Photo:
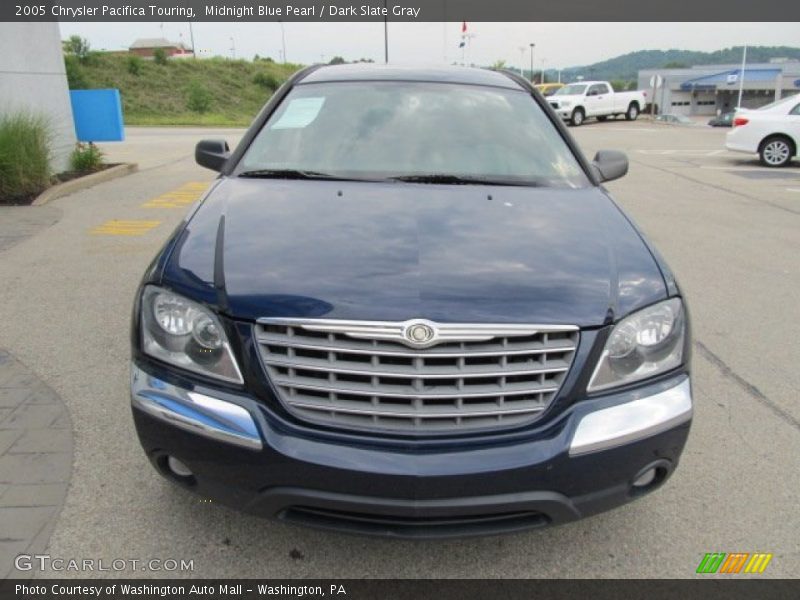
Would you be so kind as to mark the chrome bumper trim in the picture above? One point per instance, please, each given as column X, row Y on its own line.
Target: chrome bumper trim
column 194, row 412
column 631, row 421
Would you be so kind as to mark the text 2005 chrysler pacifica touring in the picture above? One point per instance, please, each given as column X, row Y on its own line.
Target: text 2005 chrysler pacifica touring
column 407, row 307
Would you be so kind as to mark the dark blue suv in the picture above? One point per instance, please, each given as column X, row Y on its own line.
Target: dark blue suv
column 408, row 307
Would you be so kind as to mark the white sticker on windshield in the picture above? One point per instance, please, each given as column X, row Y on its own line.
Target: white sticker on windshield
column 299, row 113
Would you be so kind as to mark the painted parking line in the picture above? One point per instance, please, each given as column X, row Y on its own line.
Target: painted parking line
column 185, row 195
column 129, row 228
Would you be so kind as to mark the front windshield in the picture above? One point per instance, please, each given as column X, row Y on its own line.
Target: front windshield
column 380, row 130
column 574, row 89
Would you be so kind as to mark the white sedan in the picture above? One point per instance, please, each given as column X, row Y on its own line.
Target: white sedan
column 772, row 132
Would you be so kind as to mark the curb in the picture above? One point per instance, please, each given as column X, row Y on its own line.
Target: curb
column 81, row 183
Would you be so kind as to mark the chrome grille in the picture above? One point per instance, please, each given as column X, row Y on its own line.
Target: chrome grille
column 367, row 375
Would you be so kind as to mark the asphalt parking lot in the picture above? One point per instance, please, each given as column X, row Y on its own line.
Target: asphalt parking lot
column 728, row 228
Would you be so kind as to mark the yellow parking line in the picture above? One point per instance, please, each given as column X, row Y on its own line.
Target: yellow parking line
column 185, row 195
column 117, row 227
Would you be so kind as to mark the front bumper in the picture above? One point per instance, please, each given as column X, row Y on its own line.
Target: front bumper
column 581, row 463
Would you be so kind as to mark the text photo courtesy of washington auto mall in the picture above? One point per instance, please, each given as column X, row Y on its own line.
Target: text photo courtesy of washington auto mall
column 399, row 299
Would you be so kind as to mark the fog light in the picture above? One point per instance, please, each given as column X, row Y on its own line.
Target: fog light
column 645, row 478
column 180, row 469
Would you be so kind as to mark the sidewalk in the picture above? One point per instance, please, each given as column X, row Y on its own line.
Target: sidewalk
column 35, row 431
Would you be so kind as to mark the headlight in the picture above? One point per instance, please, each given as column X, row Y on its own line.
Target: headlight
column 186, row 334
column 643, row 344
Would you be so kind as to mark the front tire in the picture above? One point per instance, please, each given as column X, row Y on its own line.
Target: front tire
column 776, row 151
column 633, row 112
column 578, row 117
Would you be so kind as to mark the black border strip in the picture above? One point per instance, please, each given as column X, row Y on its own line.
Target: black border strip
column 399, row 10
column 709, row 587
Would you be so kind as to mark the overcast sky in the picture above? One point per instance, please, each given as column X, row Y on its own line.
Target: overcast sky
column 557, row 44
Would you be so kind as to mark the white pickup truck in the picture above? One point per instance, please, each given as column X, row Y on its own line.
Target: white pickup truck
column 579, row 101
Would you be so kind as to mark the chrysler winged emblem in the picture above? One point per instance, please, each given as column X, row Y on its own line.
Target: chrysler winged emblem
column 419, row 334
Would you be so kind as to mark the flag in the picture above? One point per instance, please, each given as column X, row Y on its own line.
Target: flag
column 463, row 27
column 463, row 41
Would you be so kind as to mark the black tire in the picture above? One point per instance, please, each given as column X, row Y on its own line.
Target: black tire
column 578, row 117
column 633, row 112
column 776, row 151
column 602, row 118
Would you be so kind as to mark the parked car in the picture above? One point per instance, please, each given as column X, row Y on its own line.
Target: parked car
column 548, row 89
column 772, row 132
column 423, row 318
column 674, row 119
column 577, row 102
column 722, row 120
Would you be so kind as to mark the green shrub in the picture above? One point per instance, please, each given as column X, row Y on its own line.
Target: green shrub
column 24, row 156
column 198, row 98
column 86, row 157
column 159, row 56
column 134, row 65
column 75, row 76
column 266, row 80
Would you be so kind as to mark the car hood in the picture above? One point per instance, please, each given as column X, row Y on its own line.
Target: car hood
column 395, row 251
column 562, row 97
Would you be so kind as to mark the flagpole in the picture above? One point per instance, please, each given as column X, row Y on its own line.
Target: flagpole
column 741, row 77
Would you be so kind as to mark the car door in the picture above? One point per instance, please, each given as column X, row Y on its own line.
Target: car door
column 593, row 101
column 605, row 99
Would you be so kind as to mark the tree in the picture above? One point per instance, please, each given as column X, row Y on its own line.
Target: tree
column 499, row 64
column 337, row 60
column 675, row 64
column 78, row 47
column 160, row 56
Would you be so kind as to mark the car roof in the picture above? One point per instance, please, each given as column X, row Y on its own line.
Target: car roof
column 444, row 74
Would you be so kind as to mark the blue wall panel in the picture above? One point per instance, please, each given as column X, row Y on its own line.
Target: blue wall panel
column 98, row 115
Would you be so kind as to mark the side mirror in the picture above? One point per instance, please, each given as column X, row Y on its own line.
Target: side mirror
column 610, row 164
column 212, row 154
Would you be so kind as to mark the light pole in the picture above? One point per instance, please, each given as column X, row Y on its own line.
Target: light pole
column 385, row 32
column 521, row 59
column 191, row 37
column 283, row 40
column 532, row 47
column 233, row 48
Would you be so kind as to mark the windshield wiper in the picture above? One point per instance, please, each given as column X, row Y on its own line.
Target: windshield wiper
column 291, row 174
column 445, row 179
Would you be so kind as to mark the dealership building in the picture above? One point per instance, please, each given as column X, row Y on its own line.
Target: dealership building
column 707, row 89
